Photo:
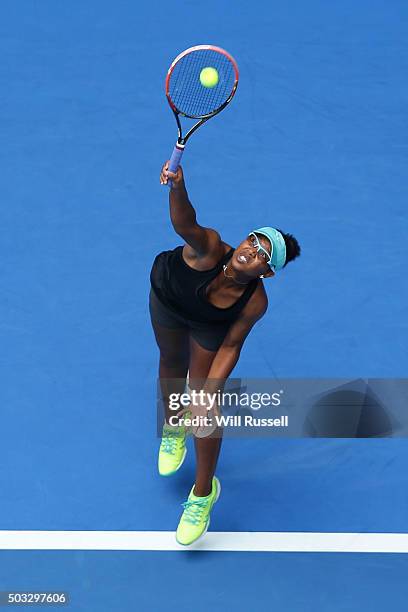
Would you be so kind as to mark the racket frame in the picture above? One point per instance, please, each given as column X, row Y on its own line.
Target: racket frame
column 181, row 140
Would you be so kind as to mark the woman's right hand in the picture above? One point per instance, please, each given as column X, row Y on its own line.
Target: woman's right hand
column 176, row 178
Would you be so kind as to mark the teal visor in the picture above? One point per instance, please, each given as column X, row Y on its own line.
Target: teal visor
column 277, row 257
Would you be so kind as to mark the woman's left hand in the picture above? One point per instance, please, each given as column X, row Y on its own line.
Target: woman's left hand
column 203, row 416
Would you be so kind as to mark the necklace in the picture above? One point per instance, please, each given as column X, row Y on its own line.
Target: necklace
column 224, row 267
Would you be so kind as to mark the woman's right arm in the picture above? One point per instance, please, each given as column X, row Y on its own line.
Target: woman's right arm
column 203, row 240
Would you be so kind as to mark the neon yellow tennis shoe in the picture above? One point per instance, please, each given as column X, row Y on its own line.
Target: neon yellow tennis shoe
column 195, row 519
column 172, row 450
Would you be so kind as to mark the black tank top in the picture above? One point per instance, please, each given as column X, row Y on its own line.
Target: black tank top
column 182, row 288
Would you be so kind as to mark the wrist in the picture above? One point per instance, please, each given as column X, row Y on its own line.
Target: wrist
column 214, row 385
column 177, row 186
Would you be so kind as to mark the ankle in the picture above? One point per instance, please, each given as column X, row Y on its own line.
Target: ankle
column 202, row 491
column 175, row 427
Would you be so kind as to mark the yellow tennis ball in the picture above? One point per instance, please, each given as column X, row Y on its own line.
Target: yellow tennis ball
column 209, row 77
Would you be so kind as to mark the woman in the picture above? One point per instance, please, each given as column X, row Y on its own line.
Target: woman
column 205, row 298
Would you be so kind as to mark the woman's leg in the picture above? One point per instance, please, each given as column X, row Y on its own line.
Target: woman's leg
column 172, row 338
column 174, row 361
column 207, row 449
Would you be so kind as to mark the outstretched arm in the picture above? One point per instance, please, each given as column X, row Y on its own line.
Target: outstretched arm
column 203, row 240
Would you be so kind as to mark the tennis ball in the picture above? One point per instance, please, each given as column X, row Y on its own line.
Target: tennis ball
column 209, row 77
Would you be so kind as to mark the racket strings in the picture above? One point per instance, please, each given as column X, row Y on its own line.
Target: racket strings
column 187, row 93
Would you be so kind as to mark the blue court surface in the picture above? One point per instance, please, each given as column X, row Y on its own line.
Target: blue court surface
column 315, row 142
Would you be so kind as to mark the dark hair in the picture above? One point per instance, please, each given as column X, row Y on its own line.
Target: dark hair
column 292, row 247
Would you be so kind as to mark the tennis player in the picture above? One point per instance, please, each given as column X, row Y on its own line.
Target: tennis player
column 205, row 298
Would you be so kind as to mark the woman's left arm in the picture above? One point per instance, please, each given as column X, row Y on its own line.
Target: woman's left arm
column 228, row 354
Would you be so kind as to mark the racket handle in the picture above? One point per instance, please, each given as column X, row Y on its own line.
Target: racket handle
column 175, row 161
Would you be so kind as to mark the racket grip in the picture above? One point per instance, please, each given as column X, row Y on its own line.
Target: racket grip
column 175, row 161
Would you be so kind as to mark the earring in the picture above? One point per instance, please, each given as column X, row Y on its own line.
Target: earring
column 261, row 276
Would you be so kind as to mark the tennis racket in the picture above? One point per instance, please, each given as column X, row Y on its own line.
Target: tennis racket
column 188, row 97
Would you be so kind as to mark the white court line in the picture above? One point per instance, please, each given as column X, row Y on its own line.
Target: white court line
column 240, row 541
